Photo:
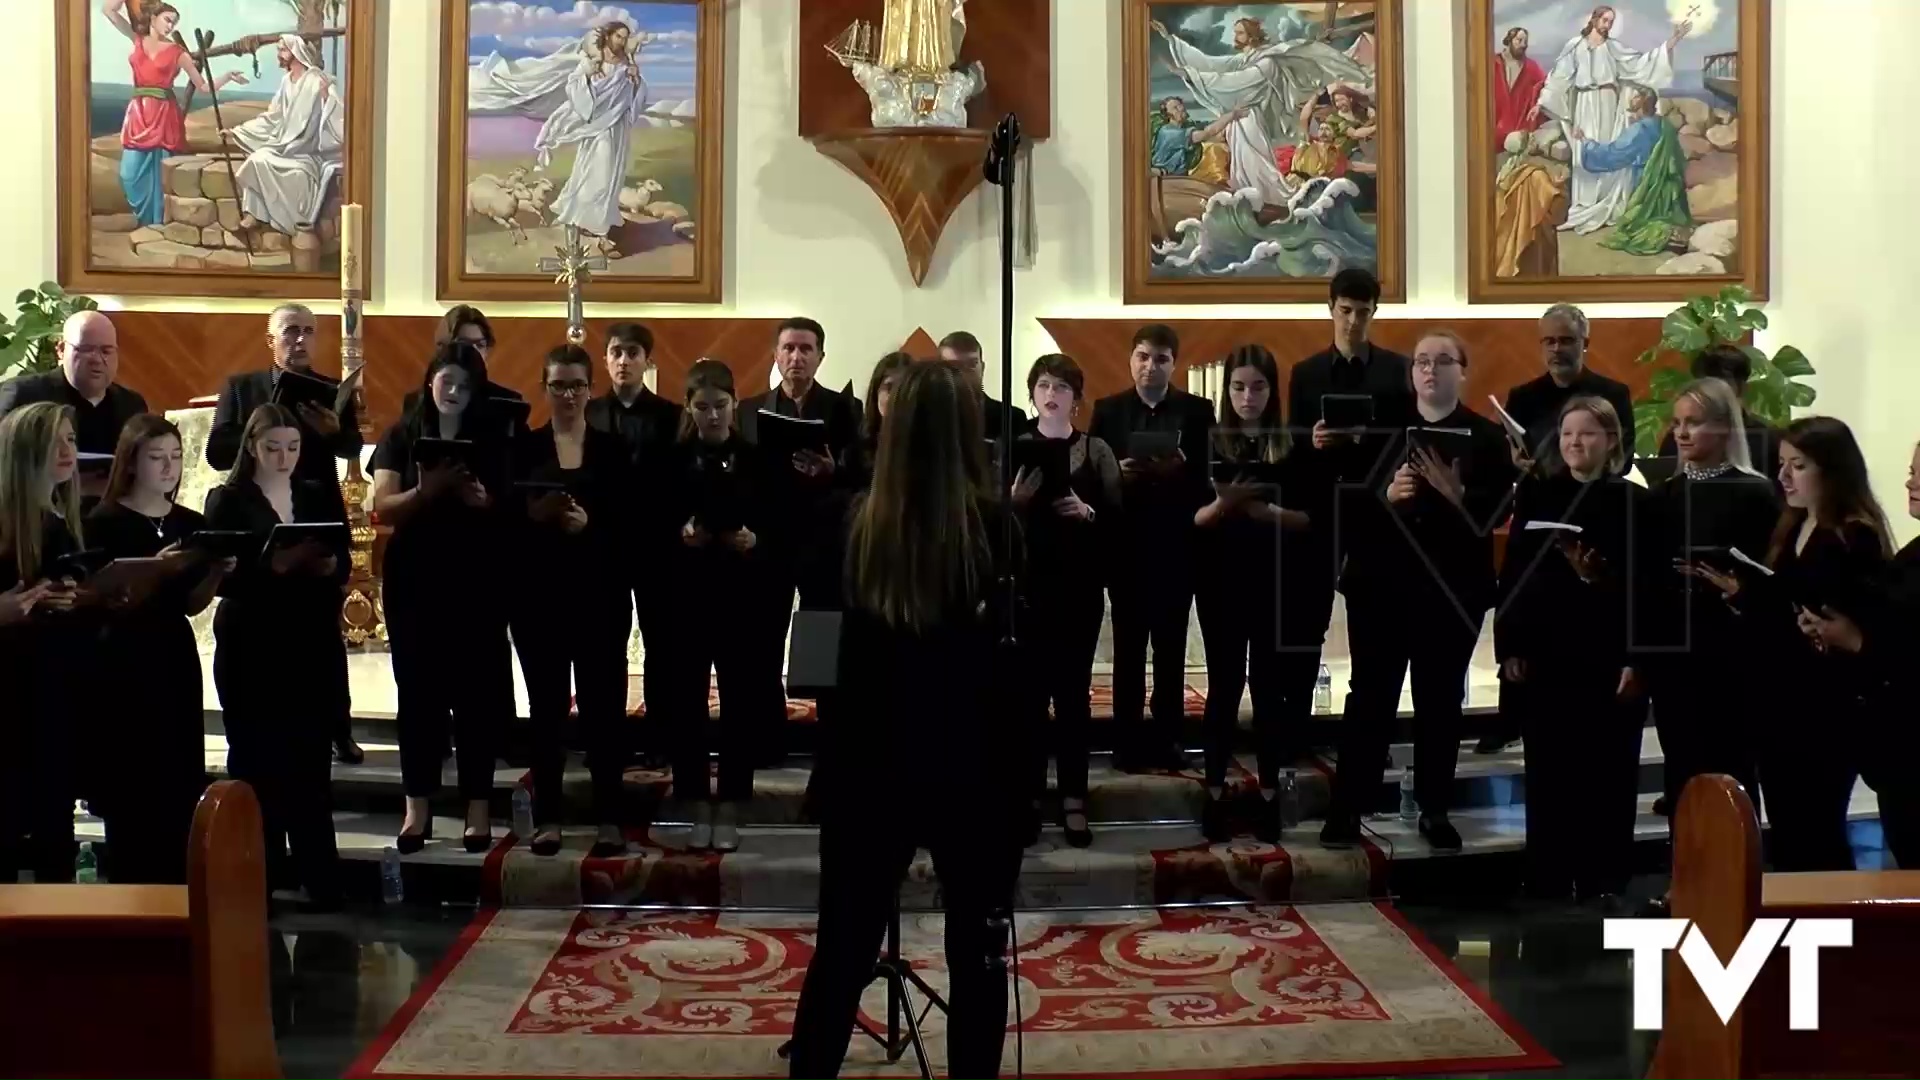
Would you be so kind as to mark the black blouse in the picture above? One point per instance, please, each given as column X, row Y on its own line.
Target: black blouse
column 126, row 533
column 1546, row 614
column 465, row 541
column 1842, row 569
column 1057, row 546
column 1684, row 518
column 722, row 487
column 253, row 590
column 601, row 485
column 1238, row 545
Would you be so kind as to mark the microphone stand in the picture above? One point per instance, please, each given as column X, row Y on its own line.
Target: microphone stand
column 1001, row 166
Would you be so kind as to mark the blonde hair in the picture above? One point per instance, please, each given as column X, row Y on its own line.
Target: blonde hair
column 1603, row 414
column 919, row 547
column 1722, row 406
column 26, row 456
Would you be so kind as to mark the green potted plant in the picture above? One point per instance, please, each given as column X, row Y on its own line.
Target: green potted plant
column 1773, row 391
column 26, row 342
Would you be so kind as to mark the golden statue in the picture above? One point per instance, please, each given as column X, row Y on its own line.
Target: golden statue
column 912, row 79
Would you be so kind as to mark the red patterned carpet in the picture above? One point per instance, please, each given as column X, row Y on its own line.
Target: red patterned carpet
column 1310, row 991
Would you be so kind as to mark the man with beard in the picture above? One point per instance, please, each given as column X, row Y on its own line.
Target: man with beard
column 1586, row 91
column 1536, row 405
column 324, row 433
column 803, row 507
column 1517, row 81
column 294, row 149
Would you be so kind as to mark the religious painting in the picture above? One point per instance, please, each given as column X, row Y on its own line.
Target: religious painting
column 206, row 146
column 584, row 133
column 1263, row 149
column 1616, row 151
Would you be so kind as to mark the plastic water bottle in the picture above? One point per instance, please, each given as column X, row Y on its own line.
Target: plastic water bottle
column 392, row 890
column 1289, row 799
column 523, row 813
column 1409, row 806
column 1323, row 692
column 86, row 867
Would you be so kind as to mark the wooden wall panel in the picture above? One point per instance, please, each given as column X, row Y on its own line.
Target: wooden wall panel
column 1011, row 37
column 1502, row 353
column 173, row 357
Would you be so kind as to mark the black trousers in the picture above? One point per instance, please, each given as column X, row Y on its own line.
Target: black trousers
column 449, row 668
column 707, row 644
column 1241, row 634
column 861, row 863
column 1150, row 604
column 286, row 756
column 1807, row 784
column 575, row 659
column 1582, row 775
column 1062, row 633
column 36, row 828
column 1306, row 610
column 1889, row 744
column 1388, row 635
column 1705, row 719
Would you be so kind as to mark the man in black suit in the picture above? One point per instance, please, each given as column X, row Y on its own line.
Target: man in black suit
column 648, row 424
column 1418, row 584
column 89, row 352
column 324, row 433
column 801, row 505
column 963, row 349
column 1347, row 460
column 1150, row 589
column 1536, row 405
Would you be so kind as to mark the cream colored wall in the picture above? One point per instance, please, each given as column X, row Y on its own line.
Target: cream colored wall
column 804, row 236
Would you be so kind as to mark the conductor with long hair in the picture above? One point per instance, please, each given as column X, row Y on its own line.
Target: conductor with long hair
column 924, row 723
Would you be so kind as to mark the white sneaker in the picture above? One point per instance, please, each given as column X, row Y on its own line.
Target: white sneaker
column 701, row 837
column 726, row 828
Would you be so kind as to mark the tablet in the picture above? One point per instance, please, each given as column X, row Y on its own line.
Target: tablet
column 1052, row 459
column 1246, row 472
column 1447, row 444
column 1153, row 445
column 93, row 464
column 78, row 565
column 226, row 543
column 1347, row 412
column 333, row 535
column 435, row 453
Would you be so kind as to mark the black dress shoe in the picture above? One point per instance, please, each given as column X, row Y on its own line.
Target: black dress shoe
column 412, row 843
column 1081, row 837
column 1493, row 744
column 477, row 843
column 1440, row 833
column 348, row 752
column 545, row 847
column 1660, row 807
column 1266, row 818
column 1216, row 822
column 1341, row 831
column 605, row 849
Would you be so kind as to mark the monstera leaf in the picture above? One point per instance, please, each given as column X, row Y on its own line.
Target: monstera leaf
column 1773, row 391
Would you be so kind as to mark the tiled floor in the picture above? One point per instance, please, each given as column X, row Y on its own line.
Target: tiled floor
column 338, row 979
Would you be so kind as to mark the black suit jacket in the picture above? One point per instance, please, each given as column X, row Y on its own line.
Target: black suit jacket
column 245, row 393
column 1349, row 467
column 799, row 512
column 839, row 409
column 1154, row 512
column 119, row 406
column 1537, row 404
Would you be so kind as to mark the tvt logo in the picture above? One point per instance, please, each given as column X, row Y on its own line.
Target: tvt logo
column 1726, row 986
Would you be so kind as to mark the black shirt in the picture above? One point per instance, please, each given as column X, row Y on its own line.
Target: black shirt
column 648, row 425
column 1536, row 406
column 1429, row 548
column 601, row 486
column 96, row 428
column 1686, row 517
column 1547, row 615
column 1156, row 510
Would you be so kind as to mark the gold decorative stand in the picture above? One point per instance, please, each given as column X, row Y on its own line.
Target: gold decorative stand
column 362, row 613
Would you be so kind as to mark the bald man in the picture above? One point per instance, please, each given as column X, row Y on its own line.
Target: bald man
column 324, row 434
column 89, row 353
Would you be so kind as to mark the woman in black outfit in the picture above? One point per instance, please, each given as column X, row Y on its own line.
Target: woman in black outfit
column 1562, row 636
column 1829, row 552
column 44, row 640
column 1066, row 573
column 926, row 726
column 278, row 661
column 575, row 483
column 1698, row 653
column 153, row 723
column 1240, row 522
column 718, row 572
column 856, row 472
column 446, row 622
column 1886, row 640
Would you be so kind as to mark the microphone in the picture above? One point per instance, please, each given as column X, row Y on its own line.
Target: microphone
column 1001, row 151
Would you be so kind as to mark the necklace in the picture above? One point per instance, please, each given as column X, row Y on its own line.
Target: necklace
column 159, row 525
column 1709, row 472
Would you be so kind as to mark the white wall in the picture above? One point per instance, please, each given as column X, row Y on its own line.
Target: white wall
column 804, row 236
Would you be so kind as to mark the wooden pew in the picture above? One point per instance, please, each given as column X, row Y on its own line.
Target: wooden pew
column 146, row 980
column 1869, row 1012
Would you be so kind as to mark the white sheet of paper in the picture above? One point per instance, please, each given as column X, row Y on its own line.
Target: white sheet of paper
column 1552, row 526
column 1507, row 419
column 1741, row 556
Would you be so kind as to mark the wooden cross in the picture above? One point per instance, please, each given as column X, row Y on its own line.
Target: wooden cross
column 573, row 268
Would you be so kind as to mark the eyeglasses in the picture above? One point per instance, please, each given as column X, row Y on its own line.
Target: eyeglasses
column 1434, row 363
column 567, row 388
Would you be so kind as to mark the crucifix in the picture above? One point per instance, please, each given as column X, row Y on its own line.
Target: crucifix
column 573, row 268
